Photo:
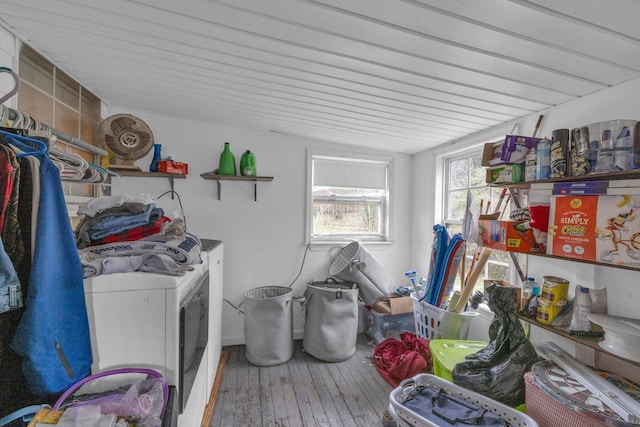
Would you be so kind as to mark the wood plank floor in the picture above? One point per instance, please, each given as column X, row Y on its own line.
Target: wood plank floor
column 303, row 392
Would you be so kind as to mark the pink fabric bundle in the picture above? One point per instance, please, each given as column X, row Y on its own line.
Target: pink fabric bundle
column 397, row 360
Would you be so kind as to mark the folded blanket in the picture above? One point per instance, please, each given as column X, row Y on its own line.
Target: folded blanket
column 183, row 250
column 153, row 227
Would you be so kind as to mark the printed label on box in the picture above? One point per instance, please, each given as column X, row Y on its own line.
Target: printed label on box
column 572, row 227
column 506, row 236
column 595, row 228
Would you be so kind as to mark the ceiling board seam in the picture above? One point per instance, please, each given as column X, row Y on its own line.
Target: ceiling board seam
column 370, row 62
column 452, row 43
column 575, row 20
column 514, row 34
column 543, row 103
column 383, row 65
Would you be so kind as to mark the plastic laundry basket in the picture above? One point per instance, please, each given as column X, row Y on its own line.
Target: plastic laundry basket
column 268, row 325
column 435, row 323
column 447, row 353
column 331, row 320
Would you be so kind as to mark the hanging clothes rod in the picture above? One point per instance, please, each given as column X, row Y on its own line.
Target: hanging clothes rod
column 68, row 139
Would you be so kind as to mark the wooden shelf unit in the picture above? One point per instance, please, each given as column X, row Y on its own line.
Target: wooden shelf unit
column 514, row 191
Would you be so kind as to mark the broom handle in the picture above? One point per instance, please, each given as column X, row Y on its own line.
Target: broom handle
column 471, row 281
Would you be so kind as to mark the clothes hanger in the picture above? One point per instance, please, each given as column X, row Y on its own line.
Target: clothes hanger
column 42, row 147
column 16, row 85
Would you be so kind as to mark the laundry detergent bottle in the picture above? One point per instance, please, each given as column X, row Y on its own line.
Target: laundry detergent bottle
column 227, row 164
column 248, row 164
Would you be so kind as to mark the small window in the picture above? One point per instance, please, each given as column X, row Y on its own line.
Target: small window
column 349, row 199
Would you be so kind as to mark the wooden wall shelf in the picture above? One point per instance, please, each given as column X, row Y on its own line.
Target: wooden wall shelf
column 254, row 179
column 588, row 342
column 142, row 174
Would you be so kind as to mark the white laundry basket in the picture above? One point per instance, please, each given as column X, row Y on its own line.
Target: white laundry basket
column 434, row 323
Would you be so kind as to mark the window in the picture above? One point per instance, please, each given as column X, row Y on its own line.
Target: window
column 349, row 199
column 50, row 96
column 465, row 175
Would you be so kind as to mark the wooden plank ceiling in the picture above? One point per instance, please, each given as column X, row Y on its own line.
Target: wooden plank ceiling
column 400, row 75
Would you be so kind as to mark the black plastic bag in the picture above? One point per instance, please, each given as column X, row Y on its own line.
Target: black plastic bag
column 497, row 371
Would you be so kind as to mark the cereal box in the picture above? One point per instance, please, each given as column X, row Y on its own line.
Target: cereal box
column 595, row 228
column 506, row 236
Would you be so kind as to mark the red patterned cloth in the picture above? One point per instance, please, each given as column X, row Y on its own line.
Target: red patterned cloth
column 397, row 360
column 136, row 233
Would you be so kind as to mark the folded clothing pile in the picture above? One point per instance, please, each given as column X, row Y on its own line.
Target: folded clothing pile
column 127, row 233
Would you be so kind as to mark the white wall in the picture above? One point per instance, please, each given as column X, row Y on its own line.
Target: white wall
column 264, row 240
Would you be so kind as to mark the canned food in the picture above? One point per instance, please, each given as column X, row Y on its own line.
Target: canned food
column 555, row 290
column 545, row 313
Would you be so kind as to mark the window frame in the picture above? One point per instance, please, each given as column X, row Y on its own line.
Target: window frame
column 386, row 212
column 444, row 158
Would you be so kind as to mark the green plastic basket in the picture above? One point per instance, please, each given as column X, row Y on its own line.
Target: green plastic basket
column 447, row 353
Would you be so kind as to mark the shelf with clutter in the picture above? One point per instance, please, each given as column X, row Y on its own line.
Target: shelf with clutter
column 575, row 198
column 597, row 165
column 227, row 170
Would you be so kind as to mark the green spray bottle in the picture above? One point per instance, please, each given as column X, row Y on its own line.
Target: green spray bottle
column 248, row 164
column 227, row 164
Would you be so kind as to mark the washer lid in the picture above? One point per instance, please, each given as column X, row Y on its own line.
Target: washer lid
column 621, row 335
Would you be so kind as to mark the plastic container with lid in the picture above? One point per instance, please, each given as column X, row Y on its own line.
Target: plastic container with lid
column 529, row 288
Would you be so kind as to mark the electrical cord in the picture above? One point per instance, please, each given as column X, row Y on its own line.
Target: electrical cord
column 301, row 265
column 184, row 215
column 304, row 257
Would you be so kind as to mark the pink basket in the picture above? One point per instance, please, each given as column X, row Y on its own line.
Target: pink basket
column 550, row 413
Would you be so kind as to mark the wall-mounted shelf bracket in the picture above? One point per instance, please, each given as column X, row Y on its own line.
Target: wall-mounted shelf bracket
column 254, row 179
column 141, row 174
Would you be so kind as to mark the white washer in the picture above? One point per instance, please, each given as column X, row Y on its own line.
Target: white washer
column 134, row 321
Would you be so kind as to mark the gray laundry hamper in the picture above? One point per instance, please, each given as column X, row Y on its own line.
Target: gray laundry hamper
column 268, row 325
column 331, row 320
column 355, row 264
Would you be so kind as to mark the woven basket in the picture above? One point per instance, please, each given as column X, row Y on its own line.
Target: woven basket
column 550, row 413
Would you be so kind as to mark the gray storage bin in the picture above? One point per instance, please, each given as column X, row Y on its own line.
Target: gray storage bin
column 355, row 264
column 268, row 325
column 331, row 320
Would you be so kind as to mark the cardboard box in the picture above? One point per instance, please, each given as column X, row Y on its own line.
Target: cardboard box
column 519, row 300
column 491, row 153
column 594, row 228
column 504, row 236
column 511, row 150
column 505, row 174
column 394, row 305
column 515, row 147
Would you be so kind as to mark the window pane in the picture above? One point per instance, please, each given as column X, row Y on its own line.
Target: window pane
column 346, row 217
column 457, row 204
column 36, row 70
column 458, row 174
column 477, row 173
column 67, row 91
column 348, row 199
